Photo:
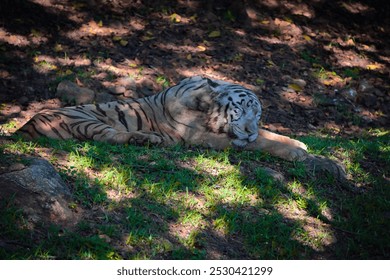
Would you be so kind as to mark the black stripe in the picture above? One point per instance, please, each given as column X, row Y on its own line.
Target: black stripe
column 139, row 120
column 65, row 127
column 81, row 136
column 121, row 117
column 87, row 126
column 72, row 125
column 100, row 131
column 56, row 132
column 143, row 111
column 103, row 112
column 154, row 117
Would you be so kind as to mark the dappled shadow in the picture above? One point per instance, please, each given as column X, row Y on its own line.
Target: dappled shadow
column 96, row 42
column 279, row 40
column 162, row 204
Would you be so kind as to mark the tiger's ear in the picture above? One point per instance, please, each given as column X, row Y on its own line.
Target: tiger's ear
column 200, row 98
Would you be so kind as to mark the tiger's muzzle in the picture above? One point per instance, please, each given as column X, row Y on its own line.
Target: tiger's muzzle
column 242, row 137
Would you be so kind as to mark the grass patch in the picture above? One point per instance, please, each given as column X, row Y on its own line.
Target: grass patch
column 180, row 203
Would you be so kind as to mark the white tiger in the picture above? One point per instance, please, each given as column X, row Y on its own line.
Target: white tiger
column 197, row 111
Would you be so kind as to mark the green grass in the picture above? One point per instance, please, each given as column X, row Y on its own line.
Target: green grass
column 180, row 203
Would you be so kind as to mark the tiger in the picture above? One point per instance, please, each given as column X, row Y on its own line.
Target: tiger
column 198, row 111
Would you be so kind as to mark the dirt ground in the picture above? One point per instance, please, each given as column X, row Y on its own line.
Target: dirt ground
column 316, row 65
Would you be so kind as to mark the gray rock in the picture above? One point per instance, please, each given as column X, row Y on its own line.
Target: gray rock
column 117, row 90
column 71, row 94
column 40, row 192
column 127, row 82
column 277, row 176
column 130, row 94
column 103, row 97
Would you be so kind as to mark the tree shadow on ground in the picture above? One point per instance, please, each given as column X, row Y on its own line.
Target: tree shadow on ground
column 159, row 204
column 41, row 45
column 265, row 52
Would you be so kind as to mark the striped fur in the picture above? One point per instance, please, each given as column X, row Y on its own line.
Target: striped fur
column 196, row 111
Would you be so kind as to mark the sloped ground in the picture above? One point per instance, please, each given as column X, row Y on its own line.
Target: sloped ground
column 319, row 67
column 337, row 49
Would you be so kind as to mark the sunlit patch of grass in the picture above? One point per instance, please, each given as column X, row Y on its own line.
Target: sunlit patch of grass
column 171, row 202
column 80, row 162
column 117, row 178
column 163, row 81
column 21, row 147
column 191, row 217
column 6, row 128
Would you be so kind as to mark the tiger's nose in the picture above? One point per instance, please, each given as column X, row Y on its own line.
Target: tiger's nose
column 252, row 133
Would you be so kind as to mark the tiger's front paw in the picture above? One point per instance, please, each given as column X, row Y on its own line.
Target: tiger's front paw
column 293, row 151
column 298, row 154
column 143, row 138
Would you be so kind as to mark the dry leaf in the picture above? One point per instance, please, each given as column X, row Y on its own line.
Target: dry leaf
column 148, row 36
column 193, row 18
column 270, row 62
column 58, row 48
column 189, row 57
column 260, row 81
column 201, row 48
column 327, row 82
column 307, row 37
column 123, row 43
column 35, row 33
column 175, row 18
column 100, row 23
column 295, row 87
column 116, row 38
column 373, row 66
column 214, row 34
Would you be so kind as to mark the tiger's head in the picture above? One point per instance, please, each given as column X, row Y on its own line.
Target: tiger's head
column 240, row 109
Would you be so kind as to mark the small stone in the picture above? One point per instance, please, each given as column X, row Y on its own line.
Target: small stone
column 349, row 94
column 299, row 82
column 130, row 94
column 71, row 94
column 14, row 110
column 364, row 86
column 379, row 93
column 127, row 82
column 101, row 76
column 369, row 100
column 274, row 174
column 104, row 97
column 117, row 90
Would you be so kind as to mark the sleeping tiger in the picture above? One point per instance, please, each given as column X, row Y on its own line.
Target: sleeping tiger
column 197, row 111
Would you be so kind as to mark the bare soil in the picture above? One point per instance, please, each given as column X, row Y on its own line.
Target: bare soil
column 314, row 64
